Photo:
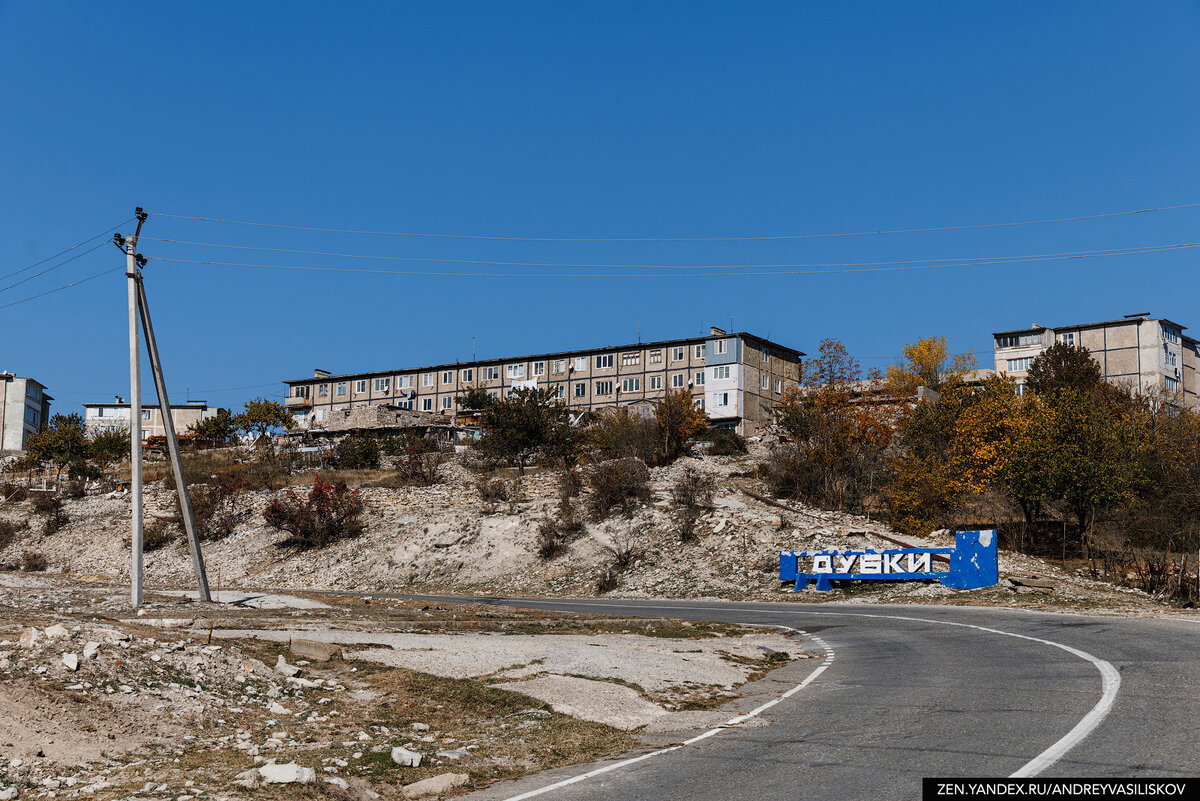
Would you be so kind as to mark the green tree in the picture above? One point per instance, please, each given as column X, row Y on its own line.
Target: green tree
column 475, row 398
column 1061, row 368
column 219, row 429
column 528, row 422
column 61, row 443
column 263, row 417
column 108, row 447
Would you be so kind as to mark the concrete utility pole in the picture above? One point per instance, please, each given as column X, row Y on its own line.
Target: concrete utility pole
column 135, row 415
column 139, row 308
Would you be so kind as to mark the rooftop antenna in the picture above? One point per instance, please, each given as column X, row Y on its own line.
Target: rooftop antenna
column 639, row 333
column 472, row 348
column 731, row 323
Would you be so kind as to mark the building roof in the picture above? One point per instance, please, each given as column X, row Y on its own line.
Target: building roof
column 544, row 356
column 149, row 405
column 1123, row 321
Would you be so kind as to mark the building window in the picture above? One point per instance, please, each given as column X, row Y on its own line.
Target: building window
column 1170, row 384
column 631, row 359
column 145, row 414
column 427, row 379
column 1019, row 340
column 677, row 381
column 360, row 385
column 516, row 371
column 631, row 385
column 31, row 416
column 341, row 388
column 656, row 382
column 1015, row 365
column 722, row 398
column 323, row 391
column 384, row 384
column 603, row 362
column 720, row 372
column 427, row 404
column 699, row 351
column 539, row 368
column 405, row 404
column 1169, row 357
column 700, row 378
column 404, row 382
column 1067, row 338
column 300, row 392
column 466, row 375
column 700, row 403
column 604, row 387
column 766, row 356
column 721, row 346
column 447, row 402
column 560, row 365
column 493, row 394
column 448, row 377
column 491, row 373
column 1170, row 333
column 580, row 389
column 321, row 415
column 560, row 391
column 580, row 363
column 765, row 380
column 655, row 357
column 778, row 386
column 676, row 354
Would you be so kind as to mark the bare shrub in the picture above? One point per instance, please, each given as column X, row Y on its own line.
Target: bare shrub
column 34, row 562
column 692, row 494
column 619, row 433
column 215, row 506
column 726, row 442
column 624, row 549
column 608, row 581
column 9, row 531
column 570, row 484
column 50, row 507
column 330, row 513
column 419, row 467
column 161, row 532
column 14, row 493
column 558, row 529
column 74, row 489
column 618, row 484
column 494, row 491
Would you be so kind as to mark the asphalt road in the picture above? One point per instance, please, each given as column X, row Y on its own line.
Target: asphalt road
column 904, row 699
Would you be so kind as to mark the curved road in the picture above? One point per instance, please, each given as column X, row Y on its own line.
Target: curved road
column 904, row 699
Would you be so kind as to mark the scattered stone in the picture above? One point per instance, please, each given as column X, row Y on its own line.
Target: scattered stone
column 435, row 785
column 248, row 779
column 57, row 631
column 28, row 638
column 291, row 773
column 91, row 650
column 456, row 754
column 277, row 708
column 71, row 661
column 284, row 669
column 337, row 782
column 420, row 727
column 314, row 649
column 406, row 758
column 9, row 793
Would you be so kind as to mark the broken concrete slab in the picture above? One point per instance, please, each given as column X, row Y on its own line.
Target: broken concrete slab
column 314, row 650
column 405, row 758
column 435, row 785
column 289, row 773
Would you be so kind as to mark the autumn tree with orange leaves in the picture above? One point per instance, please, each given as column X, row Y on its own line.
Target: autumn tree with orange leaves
column 837, row 427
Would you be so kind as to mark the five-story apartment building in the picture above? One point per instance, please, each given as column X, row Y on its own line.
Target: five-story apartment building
column 736, row 378
column 1138, row 351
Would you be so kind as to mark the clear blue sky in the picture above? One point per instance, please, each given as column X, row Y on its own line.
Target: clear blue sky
column 576, row 119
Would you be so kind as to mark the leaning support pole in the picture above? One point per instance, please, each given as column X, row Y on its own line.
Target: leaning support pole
column 185, row 500
column 135, row 426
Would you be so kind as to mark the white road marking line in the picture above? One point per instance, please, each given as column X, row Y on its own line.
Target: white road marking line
column 1110, row 678
column 702, row 736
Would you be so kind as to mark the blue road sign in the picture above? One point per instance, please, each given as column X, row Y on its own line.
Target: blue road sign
column 973, row 564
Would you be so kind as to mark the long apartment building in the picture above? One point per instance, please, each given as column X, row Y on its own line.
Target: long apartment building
column 735, row 377
column 101, row 417
column 1137, row 351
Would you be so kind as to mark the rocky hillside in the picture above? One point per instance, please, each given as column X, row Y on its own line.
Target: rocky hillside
column 445, row 538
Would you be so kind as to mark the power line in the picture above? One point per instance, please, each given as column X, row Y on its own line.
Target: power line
column 61, row 288
column 1014, row 260
column 964, row 259
column 68, row 250
column 681, row 238
column 54, row 267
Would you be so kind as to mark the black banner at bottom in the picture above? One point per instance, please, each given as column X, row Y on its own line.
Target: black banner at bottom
column 1055, row 789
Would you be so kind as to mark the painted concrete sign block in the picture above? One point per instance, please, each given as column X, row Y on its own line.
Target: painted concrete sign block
column 973, row 564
